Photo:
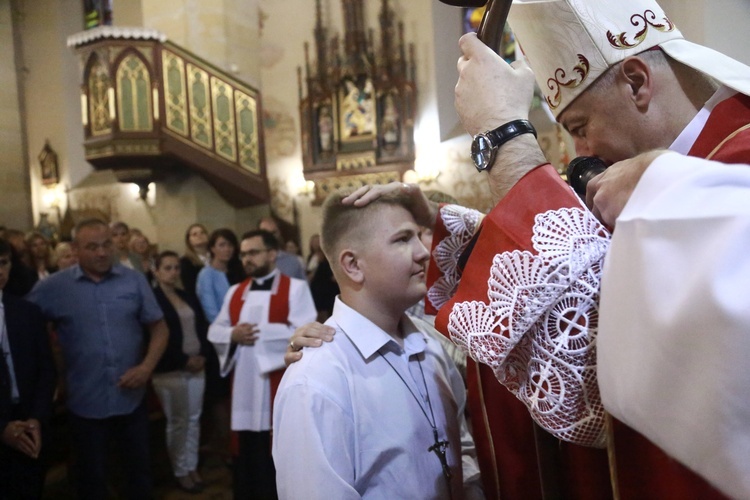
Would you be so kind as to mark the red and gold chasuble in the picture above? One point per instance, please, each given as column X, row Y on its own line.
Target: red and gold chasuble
column 525, row 306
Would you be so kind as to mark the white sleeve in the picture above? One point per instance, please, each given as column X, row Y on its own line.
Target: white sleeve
column 301, row 306
column 312, row 445
column 675, row 317
column 275, row 336
column 220, row 335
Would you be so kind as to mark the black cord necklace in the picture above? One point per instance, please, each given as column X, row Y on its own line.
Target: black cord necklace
column 439, row 446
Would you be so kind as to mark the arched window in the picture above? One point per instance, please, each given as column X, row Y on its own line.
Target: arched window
column 134, row 95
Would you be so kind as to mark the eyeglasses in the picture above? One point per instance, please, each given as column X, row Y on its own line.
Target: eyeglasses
column 254, row 252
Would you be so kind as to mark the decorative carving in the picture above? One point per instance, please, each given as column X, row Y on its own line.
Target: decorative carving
column 247, row 131
column 175, row 97
column 325, row 186
column 356, row 162
column 643, row 21
column 561, row 80
column 201, row 129
column 141, row 147
column 359, row 107
column 221, row 99
column 98, row 88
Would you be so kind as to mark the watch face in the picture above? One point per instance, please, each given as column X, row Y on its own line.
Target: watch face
column 482, row 152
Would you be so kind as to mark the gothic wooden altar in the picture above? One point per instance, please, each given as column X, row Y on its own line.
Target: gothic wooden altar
column 357, row 103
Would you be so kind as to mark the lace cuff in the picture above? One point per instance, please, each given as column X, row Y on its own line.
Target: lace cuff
column 537, row 330
column 455, row 227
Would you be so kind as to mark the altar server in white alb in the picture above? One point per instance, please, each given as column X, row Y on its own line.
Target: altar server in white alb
column 378, row 412
column 251, row 334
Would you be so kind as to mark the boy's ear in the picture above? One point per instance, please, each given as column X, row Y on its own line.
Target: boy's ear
column 350, row 264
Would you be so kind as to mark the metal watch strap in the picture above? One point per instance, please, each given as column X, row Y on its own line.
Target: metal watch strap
column 508, row 131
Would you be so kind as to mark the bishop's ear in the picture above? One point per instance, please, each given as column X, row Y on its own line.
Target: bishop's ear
column 639, row 77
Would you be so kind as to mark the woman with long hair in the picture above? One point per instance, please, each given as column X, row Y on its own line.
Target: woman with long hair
column 179, row 379
column 141, row 246
column 195, row 257
column 223, row 270
column 41, row 259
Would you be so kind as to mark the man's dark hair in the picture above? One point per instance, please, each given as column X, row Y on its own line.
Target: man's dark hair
column 5, row 248
column 269, row 240
column 87, row 223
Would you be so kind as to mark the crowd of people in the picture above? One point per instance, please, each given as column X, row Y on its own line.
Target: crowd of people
column 119, row 319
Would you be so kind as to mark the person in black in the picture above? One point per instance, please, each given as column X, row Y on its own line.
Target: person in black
column 179, row 378
column 22, row 277
column 27, row 385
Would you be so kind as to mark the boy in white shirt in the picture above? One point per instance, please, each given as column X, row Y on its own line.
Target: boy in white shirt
column 378, row 412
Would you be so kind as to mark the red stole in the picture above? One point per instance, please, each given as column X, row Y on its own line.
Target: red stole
column 278, row 312
column 726, row 136
column 279, row 308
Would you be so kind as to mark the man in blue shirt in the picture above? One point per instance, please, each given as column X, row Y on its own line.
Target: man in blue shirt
column 100, row 311
column 289, row 264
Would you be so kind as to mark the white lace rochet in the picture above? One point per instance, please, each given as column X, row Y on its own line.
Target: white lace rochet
column 537, row 330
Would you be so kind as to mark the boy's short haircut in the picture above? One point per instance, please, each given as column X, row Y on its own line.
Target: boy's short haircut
column 340, row 220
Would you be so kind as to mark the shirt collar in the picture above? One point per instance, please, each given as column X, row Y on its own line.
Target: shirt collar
column 689, row 134
column 263, row 279
column 78, row 273
column 369, row 338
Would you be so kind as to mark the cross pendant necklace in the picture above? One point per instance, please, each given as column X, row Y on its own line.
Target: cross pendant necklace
column 439, row 446
column 439, row 449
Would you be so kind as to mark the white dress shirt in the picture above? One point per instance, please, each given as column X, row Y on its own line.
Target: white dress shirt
column 346, row 425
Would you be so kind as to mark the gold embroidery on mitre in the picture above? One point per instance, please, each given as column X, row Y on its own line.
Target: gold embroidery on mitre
column 647, row 19
column 560, row 80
